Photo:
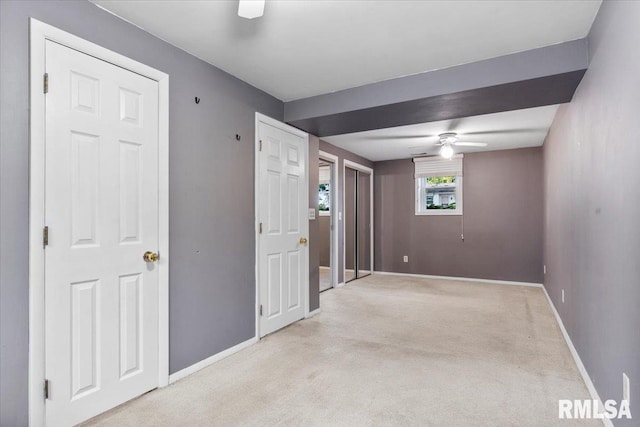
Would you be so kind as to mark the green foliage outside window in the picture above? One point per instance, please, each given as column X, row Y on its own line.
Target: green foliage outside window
column 435, row 180
column 449, row 206
column 323, row 197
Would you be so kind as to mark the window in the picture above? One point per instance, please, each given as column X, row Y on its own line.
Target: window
column 438, row 186
column 324, row 191
column 324, row 199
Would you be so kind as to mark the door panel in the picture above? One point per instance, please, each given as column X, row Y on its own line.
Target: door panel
column 293, row 208
column 101, row 192
column 130, row 324
column 364, row 224
column 274, row 285
column 350, row 240
column 283, row 188
column 85, row 336
column 295, row 279
column 85, row 186
column 130, row 191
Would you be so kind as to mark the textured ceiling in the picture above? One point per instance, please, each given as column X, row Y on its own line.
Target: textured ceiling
column 309, row 47
column 501, row 131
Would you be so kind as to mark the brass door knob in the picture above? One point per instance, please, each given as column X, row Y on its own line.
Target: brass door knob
column 150, row 256
column 303, row 240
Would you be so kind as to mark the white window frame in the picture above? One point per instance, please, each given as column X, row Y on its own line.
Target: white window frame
column 428, row 212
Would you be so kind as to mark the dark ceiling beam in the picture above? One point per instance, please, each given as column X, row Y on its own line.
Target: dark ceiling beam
column 527, row 79
column 548, row 90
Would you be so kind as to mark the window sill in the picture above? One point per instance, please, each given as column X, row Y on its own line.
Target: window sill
column 438, row 212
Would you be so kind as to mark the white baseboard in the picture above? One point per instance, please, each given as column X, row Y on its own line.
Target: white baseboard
column 576, row 357
column 210, row 360
column 313, row 313
column 465, row 279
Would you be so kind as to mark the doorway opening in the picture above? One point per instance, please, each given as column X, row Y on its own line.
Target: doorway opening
column 327, row 209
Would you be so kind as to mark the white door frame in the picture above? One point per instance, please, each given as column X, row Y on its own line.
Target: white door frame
column 333, row 215
column 40, row 33
column 261, row 118
column 357, row 166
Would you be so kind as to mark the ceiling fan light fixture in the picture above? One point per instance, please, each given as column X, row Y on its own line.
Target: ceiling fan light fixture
column 250, row 9
column 446, row 151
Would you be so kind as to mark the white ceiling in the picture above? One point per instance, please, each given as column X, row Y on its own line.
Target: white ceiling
column 502, row 131
column 309, row 47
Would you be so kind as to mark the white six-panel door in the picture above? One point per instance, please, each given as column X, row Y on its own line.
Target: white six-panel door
column 101, row 297
column 282, row 214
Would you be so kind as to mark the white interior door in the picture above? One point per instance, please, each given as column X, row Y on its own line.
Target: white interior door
column 101, row 297
column 282, row 212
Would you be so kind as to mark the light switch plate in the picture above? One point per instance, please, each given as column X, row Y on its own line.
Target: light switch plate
column 312, row 213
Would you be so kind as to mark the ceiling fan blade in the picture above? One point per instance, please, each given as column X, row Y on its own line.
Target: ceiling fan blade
column 505, row 131
column 470, row 144
column 382, row 137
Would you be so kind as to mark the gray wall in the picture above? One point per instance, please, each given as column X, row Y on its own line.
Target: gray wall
column 342, row 155
column 592, row 207
column 314, row 232
column 212, row 285
column 324, row 237
column 502, row 220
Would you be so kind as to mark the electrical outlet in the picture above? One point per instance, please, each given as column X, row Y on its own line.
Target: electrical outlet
column 339, row 216
column 626, row 388
column 544, row 269
column 405, row 258
column 563, row 295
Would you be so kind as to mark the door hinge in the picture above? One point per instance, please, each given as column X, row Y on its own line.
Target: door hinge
column 260, row 148
column 46, row 389
column 260, row 228
column 45, row 236
column 46, row 82
column 260, row 309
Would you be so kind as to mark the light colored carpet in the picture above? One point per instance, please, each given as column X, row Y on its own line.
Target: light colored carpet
column 386, row 350
column 325, row 278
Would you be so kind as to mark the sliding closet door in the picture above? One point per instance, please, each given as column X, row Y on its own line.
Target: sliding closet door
column 350, row 230
column 363, row 222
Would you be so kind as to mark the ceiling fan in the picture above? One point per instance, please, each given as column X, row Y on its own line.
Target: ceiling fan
column 448, row 140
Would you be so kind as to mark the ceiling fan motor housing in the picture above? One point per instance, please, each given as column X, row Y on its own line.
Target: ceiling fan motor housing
column 449, row 137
